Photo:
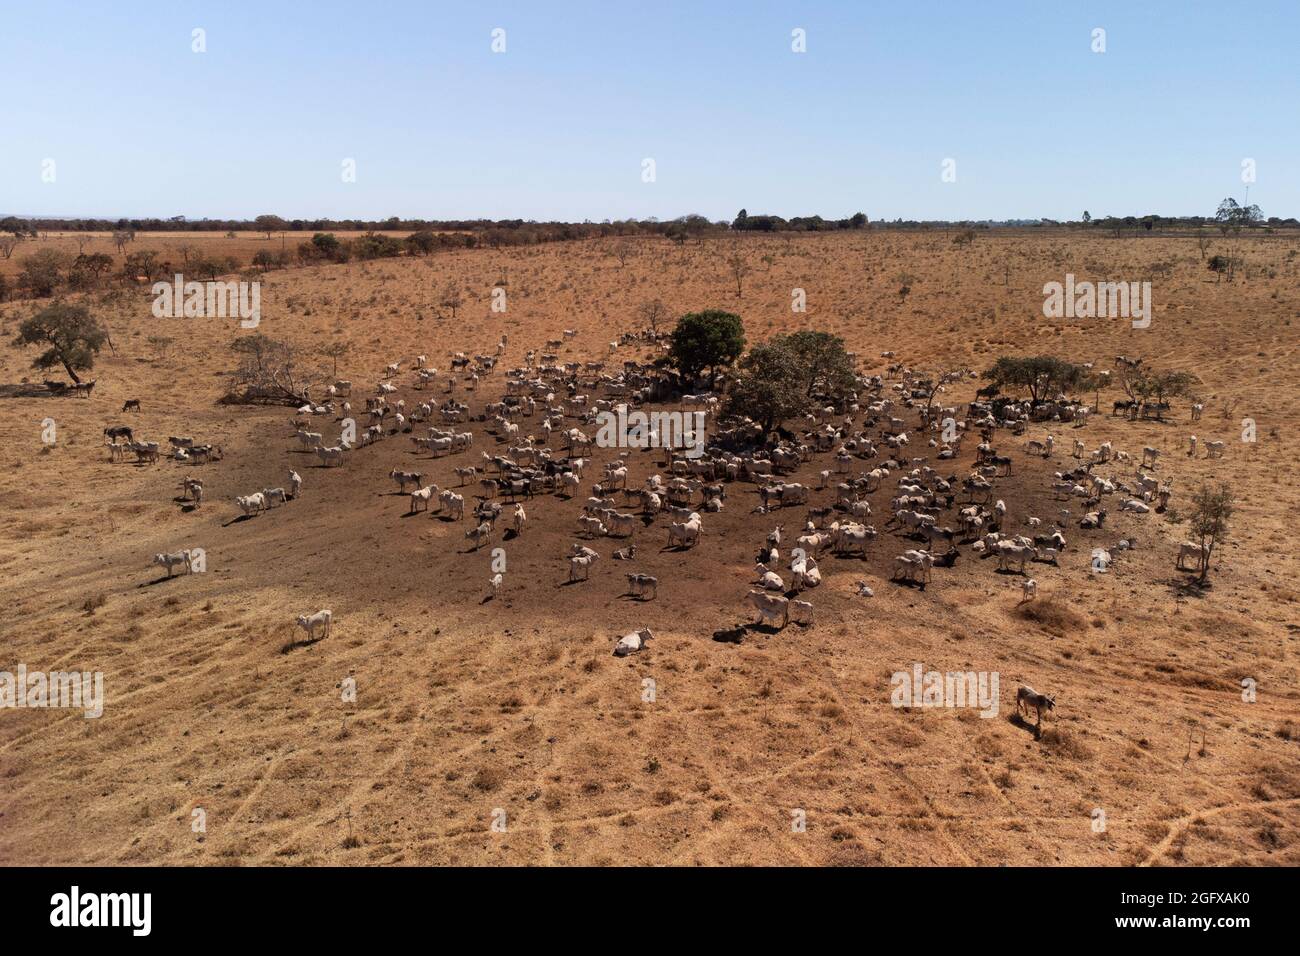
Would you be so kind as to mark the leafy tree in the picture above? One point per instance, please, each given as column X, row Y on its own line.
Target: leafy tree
column 452, row 298
column 43, row 272
column 96, row 263
column 268, row 224
column 823, row 365
column 1233, row 217
column 1042, row 375
column 1145, row 384
column 769, row 388
column 783, row 377
column 421, row 243
column 143, row 263
column 71, row 335
column 712, row 339
column 1211, row 510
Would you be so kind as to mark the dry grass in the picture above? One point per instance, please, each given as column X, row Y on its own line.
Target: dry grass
column 463, row 708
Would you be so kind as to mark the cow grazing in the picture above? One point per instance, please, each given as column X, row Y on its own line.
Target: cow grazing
column 770, row 607
column 1027, row 697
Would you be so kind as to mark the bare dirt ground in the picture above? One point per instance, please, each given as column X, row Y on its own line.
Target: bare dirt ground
column 470, row 711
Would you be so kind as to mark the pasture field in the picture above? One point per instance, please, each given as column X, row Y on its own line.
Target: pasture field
column 511, row 710
column 173, row 247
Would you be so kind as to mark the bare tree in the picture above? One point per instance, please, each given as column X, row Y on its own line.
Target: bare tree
column 335, row 351
column 652, row 312
column 271, row 372
column 1211, row 509
column 451, row 297
column 1202, row 242
column 622, row 251
column 737, row 267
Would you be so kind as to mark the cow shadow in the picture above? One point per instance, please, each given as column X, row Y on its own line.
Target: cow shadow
column 239, row 520
column 1016, row 719
column 293, row 645
column 159, row 580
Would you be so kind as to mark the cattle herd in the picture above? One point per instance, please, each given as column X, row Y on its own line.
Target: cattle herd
column 935, row 473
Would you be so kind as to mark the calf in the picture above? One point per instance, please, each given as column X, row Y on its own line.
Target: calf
column 1027, row 697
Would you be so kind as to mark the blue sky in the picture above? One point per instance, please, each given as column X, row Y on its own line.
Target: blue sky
column 557, row 126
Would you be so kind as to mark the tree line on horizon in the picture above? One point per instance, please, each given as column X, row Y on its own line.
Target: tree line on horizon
column 500, row 232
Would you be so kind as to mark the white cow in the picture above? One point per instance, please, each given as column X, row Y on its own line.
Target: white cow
column 310, row 623
column 685, row 533
column 330, row 456
column 251, row 504
column 582, row 563
column 769, row 580
column 802, row 612
column 174, row 560
column 480, row 534
column 631, row 643
column 1190, row 549
column 453, row 503
column 770, row 607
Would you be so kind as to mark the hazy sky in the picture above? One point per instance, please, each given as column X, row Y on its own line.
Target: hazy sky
column 558, row 125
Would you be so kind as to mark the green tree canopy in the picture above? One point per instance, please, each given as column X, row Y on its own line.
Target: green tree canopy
column 782, row 378
column 70, row 334
column 712, row 340
column 268, row 224
column 1041, row 375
